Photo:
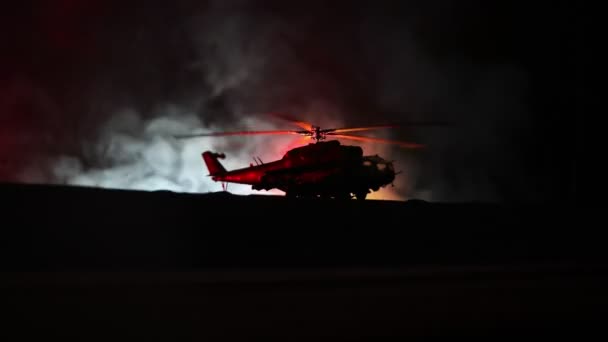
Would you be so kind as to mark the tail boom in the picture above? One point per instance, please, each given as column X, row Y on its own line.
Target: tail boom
column 218, row 173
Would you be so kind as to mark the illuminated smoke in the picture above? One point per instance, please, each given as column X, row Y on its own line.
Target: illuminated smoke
column 201, row 67
column 144, row 155
column 239, row 62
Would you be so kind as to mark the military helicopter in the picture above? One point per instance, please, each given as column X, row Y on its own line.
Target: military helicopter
column 321, row 169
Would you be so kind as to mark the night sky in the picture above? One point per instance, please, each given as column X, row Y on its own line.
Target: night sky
column 91, row 91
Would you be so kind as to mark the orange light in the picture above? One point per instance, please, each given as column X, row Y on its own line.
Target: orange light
column 296, row 143
column 359, row 129
column 385, row 196
column 378, row 140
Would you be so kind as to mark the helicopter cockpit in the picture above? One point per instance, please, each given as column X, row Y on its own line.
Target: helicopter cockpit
column 378, row 162
column 378, row 168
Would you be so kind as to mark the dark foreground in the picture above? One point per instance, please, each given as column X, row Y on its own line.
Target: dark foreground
column 101, row 264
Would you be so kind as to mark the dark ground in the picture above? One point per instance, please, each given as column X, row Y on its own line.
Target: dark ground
column 99, row 264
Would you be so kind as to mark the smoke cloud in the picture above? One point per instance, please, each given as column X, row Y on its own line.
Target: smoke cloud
column 104, row 113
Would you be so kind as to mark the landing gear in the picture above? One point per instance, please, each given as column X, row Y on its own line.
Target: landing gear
column 361, row 195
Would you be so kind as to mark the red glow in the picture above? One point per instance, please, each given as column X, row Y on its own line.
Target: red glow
column 250, row 175
column 253, row 176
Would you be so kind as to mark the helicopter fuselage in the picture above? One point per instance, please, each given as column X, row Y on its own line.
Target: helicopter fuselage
column 326, row 169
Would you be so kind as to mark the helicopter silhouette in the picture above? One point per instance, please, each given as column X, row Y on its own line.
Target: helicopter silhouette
column 321, row 169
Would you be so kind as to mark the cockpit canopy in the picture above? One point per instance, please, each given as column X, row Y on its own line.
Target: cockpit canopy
column 378, row 163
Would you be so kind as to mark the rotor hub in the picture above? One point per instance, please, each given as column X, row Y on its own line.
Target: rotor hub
column 318, row 134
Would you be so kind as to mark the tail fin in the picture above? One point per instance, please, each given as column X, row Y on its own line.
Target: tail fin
column 213, row 165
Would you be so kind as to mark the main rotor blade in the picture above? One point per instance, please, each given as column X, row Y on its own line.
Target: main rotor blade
column 357, row 129
column 400, row 125
column 302, row 124
column 221, row 134
column 377, row 140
